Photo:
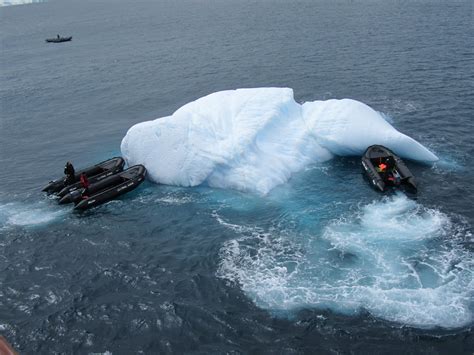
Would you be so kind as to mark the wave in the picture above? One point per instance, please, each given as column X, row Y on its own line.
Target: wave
column 394, row 258
column 255, row 139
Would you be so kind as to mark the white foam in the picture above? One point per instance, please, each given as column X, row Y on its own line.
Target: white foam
column 394, row 258
column 17, row 214
column 19, row 2
column 254, row 139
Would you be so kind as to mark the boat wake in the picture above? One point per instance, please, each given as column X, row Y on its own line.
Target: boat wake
column 23, row 215
column 394, row 258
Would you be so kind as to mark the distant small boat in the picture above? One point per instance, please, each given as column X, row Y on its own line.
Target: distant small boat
column 58, row 39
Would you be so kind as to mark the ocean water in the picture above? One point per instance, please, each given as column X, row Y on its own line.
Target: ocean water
column 320, row 264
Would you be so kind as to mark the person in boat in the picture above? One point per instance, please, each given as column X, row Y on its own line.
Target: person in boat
column 382, row 167
column 85, row 184
column 387, row 170
column 70, row 174
column 394, row 177
column 59, row 37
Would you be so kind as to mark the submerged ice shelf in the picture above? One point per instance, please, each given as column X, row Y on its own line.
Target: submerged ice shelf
column 254, row 139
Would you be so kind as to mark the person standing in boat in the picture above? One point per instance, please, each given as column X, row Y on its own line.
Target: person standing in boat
column 59, row 37
column 70, row 174
column 85, row 184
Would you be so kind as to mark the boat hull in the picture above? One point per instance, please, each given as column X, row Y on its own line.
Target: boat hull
column 112, row 188
column 58, row 40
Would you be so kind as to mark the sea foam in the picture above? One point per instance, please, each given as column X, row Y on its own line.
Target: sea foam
column 394, row 258
column 255, row 139
column 17, row 214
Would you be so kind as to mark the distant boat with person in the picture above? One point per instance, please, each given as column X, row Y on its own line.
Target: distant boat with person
column 58, row 39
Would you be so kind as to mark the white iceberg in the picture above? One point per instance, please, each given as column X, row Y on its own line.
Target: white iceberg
column 18, row 2
column 254, row 139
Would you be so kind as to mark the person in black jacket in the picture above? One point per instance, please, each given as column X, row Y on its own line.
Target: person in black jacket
column 70, row 174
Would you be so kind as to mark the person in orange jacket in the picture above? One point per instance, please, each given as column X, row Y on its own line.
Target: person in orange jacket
column 382, row 167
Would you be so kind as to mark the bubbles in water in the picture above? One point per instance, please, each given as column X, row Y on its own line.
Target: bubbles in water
column 17, row 214
column 394, row 258
column 448, row 164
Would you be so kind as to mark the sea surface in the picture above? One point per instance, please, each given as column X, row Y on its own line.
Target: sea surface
column 321, row 264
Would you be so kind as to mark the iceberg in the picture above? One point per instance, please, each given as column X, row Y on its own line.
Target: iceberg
column 19, row 2
column 255, row 139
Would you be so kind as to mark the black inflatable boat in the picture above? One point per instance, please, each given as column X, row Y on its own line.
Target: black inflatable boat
column 384, row 169
column 106, row 189
column 58, row 39
column 95, row 173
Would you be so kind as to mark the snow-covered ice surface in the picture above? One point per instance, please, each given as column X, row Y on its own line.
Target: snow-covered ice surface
column 254, row 139
column 18, row 2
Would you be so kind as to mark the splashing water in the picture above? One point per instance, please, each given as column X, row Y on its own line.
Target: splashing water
column 17, row 214
column 394, row 258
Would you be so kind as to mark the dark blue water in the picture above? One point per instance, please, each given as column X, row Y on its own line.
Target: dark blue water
column 321, row 264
